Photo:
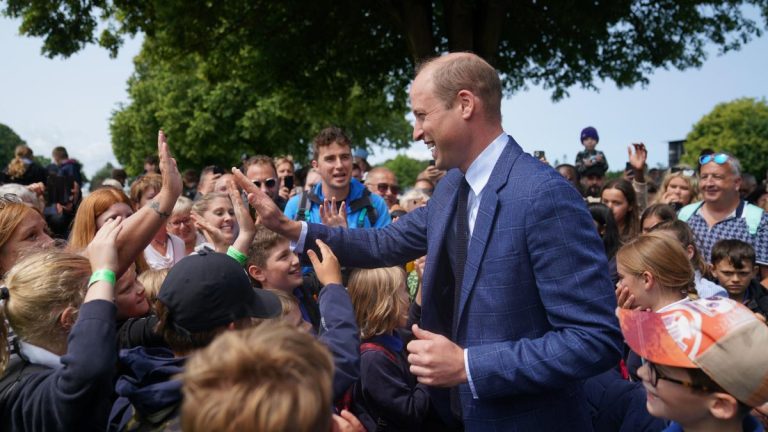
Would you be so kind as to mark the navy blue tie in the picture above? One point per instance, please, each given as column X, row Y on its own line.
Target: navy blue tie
column 460, row 255
column 462, row 242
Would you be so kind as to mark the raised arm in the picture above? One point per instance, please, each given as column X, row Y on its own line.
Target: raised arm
column 139, row 229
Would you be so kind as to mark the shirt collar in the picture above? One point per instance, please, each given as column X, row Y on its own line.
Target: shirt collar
column 40, row 356
column 479, row 171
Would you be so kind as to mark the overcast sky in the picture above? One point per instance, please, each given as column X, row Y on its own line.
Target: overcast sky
column 69, row 101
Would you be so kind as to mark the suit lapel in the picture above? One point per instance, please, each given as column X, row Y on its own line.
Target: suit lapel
column 443, row 205
column 484, row 224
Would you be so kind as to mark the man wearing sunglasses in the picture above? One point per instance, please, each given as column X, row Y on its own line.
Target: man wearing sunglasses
column 722, row 214
column 383, row 183
column 261, row 171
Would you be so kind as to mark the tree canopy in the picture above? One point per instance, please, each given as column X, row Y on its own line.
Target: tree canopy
column 739, row 127
column 270, row 73
column 406, row 169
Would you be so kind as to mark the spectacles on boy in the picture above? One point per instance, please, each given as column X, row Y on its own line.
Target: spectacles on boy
column 654, row 375
column 718, row 158
column 269, row 183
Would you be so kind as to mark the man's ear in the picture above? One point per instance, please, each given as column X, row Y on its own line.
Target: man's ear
column 467, row 102
column 68, row 318
column 256, row 273
column 723, row 406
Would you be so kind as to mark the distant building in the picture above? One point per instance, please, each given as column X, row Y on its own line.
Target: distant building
column 676, row 151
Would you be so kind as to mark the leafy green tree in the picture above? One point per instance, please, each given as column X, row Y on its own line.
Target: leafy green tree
column 213, row 120
column 269, row 73
column 8, row 142
column 99, row 176
column 739, row 127
column 406, row 169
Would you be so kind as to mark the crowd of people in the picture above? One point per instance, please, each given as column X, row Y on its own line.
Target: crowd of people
column 496, row 293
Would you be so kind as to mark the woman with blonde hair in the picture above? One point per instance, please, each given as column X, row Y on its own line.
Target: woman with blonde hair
column 23, row 169
column 679, row 188
column 61, row 307
column 22, row 228
column 654, row 271
column 386, row 393
column 214, row 217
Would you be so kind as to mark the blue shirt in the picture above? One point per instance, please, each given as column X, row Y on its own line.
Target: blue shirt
column 356, row 219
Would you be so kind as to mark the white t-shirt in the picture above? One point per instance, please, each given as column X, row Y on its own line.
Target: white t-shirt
column 175, row 251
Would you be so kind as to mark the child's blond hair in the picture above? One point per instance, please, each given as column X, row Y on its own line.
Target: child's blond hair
column 266, row 378
column 152, row 281
column 375, row 298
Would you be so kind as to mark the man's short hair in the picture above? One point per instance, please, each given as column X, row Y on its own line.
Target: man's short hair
column 739, row 253
column 261, row 160
column 267, row 378
column 60, row 153
column 327, row 137
column 465, row 71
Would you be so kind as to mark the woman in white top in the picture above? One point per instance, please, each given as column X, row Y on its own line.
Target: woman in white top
column 165, row 249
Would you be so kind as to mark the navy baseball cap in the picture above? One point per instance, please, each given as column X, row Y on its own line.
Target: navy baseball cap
column 209, row 290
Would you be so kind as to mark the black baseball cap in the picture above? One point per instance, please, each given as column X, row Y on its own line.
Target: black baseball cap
column 209, row 290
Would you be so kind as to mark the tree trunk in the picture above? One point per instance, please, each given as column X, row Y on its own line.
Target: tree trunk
column 414, row 20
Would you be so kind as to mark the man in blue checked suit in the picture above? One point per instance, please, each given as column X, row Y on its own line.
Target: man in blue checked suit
column 507, row 347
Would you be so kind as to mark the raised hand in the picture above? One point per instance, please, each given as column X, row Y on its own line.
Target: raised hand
column 172, row 183
column 102, row 250
column 328, row 270
column 330, row 217
column 244, row 220
column 346, row 422
column 269, row 214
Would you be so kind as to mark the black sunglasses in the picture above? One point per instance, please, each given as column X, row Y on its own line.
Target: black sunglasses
column 382, row 188
column 270, row 183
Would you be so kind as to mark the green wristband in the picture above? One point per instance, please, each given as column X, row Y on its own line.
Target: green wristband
column 102, row 275
column 237, row 255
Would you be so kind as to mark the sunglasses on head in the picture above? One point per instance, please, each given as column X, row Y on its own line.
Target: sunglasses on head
column 688, row 172
column 718, row 158
column 270, row 183
column 382, row 188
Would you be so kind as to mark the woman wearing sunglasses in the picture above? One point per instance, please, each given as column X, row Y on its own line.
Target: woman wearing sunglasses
column 679, row 188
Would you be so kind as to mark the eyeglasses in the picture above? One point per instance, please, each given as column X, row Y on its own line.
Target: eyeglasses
column 719, row 158
column 654, row 375
column 688, row 172
column 382, row 188
column 269, row 183
column 179, row 222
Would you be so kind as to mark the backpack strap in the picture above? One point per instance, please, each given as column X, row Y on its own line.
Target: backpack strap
column 753, row 214
column 372, row 346
column 302, row 213
column 366, row 208
column 686, row 212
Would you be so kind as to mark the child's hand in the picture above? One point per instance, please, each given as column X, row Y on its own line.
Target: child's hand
column 328, row 270
column 624, row 299
column 101, row 251
column 346, row 422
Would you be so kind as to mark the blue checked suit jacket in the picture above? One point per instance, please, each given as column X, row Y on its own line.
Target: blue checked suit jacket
column 536, row 308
